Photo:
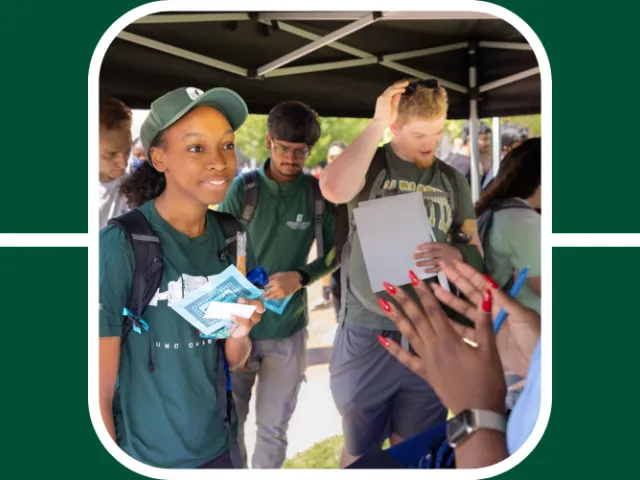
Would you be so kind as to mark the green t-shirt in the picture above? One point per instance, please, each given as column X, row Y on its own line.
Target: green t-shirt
column 169, row 418
column 404, row 177
column 513, row 243
column 282, row 231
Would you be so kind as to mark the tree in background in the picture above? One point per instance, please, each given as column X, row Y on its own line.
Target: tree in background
column 250, row 139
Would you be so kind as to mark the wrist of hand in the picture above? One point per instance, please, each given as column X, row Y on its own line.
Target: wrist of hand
column 240, row 332
column 379, row 124
column 492, row 405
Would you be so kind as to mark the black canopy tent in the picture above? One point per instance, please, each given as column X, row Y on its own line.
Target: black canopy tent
column 337, row 62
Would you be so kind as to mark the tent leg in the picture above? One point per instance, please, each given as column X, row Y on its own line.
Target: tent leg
column 475, row 153
column 497, row 145
column 473, row 124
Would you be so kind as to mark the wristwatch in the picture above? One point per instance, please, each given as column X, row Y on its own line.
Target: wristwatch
column 304, row 278
column 468, row 422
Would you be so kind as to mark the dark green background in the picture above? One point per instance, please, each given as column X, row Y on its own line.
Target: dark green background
column 47, row 46
column 46, row 52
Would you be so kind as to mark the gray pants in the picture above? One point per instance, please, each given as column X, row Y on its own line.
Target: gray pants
column 375, row 394
column 279, row 366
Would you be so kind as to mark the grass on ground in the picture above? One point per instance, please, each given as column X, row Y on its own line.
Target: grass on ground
column 325, row 455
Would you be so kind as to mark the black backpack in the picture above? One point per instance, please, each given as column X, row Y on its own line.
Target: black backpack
column 147, row 275
column 485, row 221
column 251, row 184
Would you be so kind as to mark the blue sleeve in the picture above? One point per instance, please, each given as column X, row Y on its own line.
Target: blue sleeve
column 527, row 409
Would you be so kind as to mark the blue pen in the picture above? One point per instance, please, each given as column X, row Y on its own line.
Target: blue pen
column 515, row 290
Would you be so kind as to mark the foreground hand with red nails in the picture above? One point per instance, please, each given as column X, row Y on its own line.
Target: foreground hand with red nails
column 519, row 333
column 463, row 376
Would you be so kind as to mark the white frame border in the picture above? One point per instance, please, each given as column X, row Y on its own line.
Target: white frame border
column 90, row 240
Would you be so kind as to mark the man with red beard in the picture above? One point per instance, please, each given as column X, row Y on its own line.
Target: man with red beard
column 375, row 394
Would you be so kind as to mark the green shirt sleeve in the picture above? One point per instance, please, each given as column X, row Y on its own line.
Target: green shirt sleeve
column 519, row 231
column 116, row 275
column 232, row 202
column 327, row 264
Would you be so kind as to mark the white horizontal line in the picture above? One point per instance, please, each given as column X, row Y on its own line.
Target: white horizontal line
column 595, row 240
column 44, row 240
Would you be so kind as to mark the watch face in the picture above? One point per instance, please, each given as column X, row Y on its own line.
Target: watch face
column 458, row 428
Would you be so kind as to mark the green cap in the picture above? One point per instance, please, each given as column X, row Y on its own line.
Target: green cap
column 171, row 107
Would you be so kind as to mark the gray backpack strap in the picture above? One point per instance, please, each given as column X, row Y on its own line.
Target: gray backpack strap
column 251, row 185
column 318, row 207
column 449, row 181
column 227, row 406
column 378, row 183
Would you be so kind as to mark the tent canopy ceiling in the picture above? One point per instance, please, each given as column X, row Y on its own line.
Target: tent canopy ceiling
column 162, row 52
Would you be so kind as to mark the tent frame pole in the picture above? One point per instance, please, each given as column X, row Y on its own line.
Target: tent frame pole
column 510, row 79
column 497, row 145
column 319, row 43
column 473, row 123
column 182, row 53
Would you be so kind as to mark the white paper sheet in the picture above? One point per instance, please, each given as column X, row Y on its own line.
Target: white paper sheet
column 390, row 230
column 224, row 310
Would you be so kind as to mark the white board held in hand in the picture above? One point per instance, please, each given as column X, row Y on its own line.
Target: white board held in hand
column 390, row 230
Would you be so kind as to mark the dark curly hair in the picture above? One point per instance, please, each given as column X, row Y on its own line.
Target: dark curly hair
column 519, row 175
column 146, row 183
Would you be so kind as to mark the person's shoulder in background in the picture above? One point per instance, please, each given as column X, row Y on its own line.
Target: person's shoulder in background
column 460, row 162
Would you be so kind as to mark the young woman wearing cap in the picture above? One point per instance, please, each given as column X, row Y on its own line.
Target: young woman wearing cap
column 168, row 416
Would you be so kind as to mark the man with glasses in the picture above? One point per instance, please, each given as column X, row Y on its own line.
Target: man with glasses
column 282, row 229
column 375, row 394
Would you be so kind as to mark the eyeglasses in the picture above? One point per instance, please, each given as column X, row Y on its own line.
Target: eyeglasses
column 282, row 150
column 431, row 83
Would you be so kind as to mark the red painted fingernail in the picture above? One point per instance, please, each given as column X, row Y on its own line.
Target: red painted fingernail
column 490, row 281
column 415, row 281
column 487, row 301
column 389, row 288
column 383, row 341
column 384, row 305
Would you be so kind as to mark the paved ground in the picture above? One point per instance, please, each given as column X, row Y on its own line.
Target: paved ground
column 316, row 417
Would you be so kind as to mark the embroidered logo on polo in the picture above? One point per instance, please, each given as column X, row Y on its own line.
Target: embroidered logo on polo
column 299, row 224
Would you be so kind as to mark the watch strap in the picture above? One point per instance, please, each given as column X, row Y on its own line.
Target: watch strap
column 466, row 423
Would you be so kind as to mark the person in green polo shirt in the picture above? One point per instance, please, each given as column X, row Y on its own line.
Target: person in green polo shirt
column 159, row 389
column 282, row 231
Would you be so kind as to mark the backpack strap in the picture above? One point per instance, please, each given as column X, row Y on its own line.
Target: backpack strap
column 251, row 184
column 373, row 187
column 147, row 272
column 485, row 221
column 318, row 207
column 226, row 405
column 449, row 181
column 230, row 226
column 376, row 175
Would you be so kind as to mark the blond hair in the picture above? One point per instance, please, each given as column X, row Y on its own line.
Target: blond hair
column 423, row 104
